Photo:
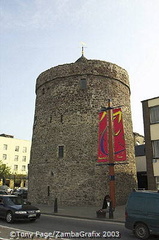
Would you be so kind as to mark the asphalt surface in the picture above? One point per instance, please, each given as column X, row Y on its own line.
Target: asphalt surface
column 86, row 213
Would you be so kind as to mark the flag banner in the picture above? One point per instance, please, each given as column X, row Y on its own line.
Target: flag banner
column 119, row 140
column 103, row 138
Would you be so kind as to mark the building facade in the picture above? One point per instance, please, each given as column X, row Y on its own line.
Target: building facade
column 63, row 162
column 151, row 130
column 141, row 166
column 15, row 153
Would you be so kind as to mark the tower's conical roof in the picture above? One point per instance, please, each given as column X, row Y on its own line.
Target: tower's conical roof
column 82, row 59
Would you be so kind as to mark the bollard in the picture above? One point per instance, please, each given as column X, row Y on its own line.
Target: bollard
column 111, row 210
column 55, row 206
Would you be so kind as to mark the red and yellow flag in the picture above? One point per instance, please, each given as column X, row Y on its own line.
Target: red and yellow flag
column 103, row 138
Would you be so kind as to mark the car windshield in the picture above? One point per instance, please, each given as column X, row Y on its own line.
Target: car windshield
column 14, row 201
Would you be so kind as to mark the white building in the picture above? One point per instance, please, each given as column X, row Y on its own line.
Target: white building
column 15, row 153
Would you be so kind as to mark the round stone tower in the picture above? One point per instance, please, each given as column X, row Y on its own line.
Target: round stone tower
column 65, row 134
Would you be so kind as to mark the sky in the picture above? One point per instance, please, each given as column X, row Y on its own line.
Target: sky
column 36, row 35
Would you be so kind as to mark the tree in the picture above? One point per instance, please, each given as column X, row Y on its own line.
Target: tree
column 5, row 171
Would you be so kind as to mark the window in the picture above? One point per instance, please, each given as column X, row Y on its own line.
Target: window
column 4, row 156
column 61, row 119
column 83, row 83
column 17, row 148
column 24, row 149
column 50, row 119
column 154, row 114
column 61, row 152
column 43, row 91
column 24, row 158
column 23, row 168
column 16, row 158
column 5, row 146
column 155, row 146
column 15, row 167
column 48, row 191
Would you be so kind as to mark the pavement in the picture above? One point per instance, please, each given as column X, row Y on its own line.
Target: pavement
column 88, row 212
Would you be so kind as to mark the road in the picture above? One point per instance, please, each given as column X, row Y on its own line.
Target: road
column 63, row 226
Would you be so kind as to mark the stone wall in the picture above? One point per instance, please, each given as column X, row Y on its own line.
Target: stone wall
column 66, row 115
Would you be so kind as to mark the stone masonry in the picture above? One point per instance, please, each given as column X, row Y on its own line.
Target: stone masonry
column 65, row 134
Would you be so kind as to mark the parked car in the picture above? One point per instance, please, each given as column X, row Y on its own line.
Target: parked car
column 21, row 192
column 142, row 213
column 15, row 208
column 3, row 192
column 6, row 188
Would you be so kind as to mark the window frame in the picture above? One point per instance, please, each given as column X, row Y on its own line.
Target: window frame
column 16, row 157
column 4, row 156
column 23, row 168
column 24, row 149
column 155, row 149
column 83, row 83
column 16, row 148
column 5, row 147
column 24, row 158
column 154, row 114
column 16, row 167
column 61, row 151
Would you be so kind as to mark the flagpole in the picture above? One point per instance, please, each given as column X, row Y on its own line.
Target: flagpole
column 111, row 156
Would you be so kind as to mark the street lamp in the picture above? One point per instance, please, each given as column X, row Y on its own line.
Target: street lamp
column 111, row 163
